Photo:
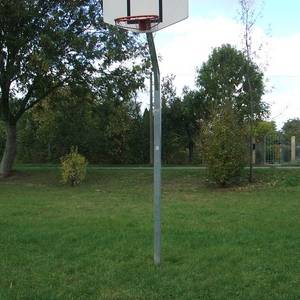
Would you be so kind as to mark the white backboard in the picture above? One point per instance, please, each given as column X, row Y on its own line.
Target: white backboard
column 169, row 11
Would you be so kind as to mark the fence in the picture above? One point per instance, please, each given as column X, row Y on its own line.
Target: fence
column 275, row 149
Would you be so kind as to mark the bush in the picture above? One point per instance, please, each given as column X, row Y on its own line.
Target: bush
column 73, row 167
column 224, row 147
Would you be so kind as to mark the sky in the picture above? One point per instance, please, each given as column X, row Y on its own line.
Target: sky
column 186, row 45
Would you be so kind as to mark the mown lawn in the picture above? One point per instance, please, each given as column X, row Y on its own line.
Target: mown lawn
column 95, row 241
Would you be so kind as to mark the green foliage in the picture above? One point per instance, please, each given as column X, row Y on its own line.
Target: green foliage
column 171, row 110
column 180, row 123
column 110, row 130
column 291, row 128
column 105, row 131
column 223, row 78
column 46, row 44
column 224, row 147
column 264, row 128
column 73, row 167
column 47, row 132
column 195, row 112
column 49, row 44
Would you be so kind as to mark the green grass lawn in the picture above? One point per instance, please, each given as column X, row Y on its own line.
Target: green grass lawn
column 95, row 241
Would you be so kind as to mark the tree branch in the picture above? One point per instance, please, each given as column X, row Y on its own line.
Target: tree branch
column 26, row 105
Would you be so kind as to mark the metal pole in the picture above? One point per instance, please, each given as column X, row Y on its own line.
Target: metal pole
column 157, row 150
column 151, row 118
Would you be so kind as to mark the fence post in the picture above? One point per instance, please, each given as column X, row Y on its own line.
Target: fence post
column 293, row 149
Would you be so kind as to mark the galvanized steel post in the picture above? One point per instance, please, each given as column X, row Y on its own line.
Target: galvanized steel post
column 157, row 150
column 151, row 119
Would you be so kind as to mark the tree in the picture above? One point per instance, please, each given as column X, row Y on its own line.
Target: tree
column 104, row 130
column 195, row 112
column 223, row 79
column 47, row 132
column 262, row 129
column 291, row 128
column 170, row 111
column 46, row 44
column 248, row 16
column 182, row 117
column 2, row 137
column 224, row 148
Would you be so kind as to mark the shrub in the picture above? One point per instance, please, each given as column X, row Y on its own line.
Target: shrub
column 73, row 167
column 224, row 147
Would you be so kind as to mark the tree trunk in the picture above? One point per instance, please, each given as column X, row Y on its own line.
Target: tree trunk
column 191, row 152
column 250, row 179
column 10, row 150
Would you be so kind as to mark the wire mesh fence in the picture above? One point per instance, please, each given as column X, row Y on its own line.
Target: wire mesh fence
column 276, row 149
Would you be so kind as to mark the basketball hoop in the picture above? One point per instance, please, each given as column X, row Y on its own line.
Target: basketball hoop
column 143, row 23
column 145, row 16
